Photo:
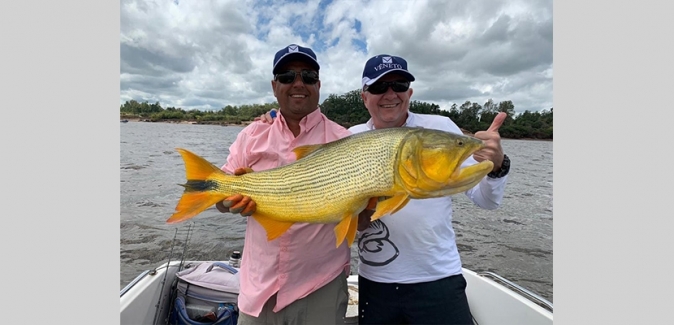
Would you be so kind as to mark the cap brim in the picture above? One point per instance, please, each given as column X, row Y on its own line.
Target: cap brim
column 405, row 73
column 295, row 56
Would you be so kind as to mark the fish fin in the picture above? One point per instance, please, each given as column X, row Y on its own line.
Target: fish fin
column 243, row 170
column 199, row 190
column 346, row 229
column 353, row 227
column 193, row 203
column 390, row 205
column 303, row 151
column 273, row 227
column 197, row 168
column 401, row 205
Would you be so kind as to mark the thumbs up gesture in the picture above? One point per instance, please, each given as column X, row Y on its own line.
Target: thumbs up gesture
column 492, row 139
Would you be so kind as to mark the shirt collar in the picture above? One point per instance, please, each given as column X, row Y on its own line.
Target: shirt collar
column 408, row 122
column 308, row 122
column 311, row 120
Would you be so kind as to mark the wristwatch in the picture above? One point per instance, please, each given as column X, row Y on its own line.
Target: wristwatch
column 505, row 168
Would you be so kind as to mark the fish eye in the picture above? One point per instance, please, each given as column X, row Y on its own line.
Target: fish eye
column 460, row 143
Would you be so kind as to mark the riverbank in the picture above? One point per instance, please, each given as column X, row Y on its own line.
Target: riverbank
column 468, row 133
column 243, row 123
column 246, row 123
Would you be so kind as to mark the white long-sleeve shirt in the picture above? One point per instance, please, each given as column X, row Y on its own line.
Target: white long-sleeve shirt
column 417, row 243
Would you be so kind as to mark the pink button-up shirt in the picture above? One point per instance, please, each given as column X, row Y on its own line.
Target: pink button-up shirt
column 304, row 258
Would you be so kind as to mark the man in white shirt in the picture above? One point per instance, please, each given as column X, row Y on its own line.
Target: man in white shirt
column 410, row 268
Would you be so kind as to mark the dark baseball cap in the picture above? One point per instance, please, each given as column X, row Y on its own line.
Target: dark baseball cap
column 294, row 52
column 381, row 64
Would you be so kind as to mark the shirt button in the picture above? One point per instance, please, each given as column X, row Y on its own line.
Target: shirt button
column 283, row 276
column 284, row 249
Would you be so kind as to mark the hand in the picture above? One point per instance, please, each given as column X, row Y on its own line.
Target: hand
column 364, row 216
column 267, row 117
column 492, row 140
column 238, row 203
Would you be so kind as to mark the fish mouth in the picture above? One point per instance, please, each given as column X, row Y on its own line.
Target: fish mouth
column 463, row 178
column 467, row 177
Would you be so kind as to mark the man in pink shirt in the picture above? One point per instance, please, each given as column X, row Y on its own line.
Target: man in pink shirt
column 300, row 277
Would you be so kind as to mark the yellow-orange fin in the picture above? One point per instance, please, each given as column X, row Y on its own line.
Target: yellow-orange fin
column 353, row 227
column 273, row 227
column 196, row 167
column 346, row 229
column 200, row 192
column 243, row 170
column 390, row 205
column 303, row 151
column 403, row 204
column 193, row 203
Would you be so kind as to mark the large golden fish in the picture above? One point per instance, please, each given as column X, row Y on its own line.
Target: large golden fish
column 332, row 182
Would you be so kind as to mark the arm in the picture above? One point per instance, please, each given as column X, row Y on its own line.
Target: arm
column 237, row 203
column 489, row 192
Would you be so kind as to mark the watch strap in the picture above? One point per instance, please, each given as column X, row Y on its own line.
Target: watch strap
column 505, row 168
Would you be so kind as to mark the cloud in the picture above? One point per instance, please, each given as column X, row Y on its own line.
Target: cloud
column 209, row 54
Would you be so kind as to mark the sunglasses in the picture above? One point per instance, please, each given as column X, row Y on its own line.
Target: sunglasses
column 308, row 77
column 381, row 87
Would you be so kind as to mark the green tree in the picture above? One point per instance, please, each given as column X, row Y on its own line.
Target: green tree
column 348, row 109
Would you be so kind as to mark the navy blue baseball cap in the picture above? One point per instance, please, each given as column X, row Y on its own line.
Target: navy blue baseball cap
column 294, row 52
column 381, row 64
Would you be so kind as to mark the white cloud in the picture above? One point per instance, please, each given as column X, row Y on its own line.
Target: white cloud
column 209, row 54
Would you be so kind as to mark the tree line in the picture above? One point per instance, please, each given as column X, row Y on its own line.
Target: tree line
column 348, row 110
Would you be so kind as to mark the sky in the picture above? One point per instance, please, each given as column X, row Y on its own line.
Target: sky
column 206, row 55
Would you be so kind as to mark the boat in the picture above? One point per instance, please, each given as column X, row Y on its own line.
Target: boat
column 493, row 299
column 123, row 121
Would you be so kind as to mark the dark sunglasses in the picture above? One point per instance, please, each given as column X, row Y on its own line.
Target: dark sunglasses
column 308, row 77
column 381, row 87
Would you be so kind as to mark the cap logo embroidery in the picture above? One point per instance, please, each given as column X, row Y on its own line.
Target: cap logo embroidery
column 387, row 63
column 292, row 48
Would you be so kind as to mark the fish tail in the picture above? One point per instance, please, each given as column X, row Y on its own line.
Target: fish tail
column 201, row 189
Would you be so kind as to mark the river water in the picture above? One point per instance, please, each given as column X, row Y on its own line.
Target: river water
column 514, row 241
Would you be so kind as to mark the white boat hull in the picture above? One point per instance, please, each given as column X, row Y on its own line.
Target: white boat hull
column 492, row 303
column 145, row 300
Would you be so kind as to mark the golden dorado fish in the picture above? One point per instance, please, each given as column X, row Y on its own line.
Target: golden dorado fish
column 332, row 182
